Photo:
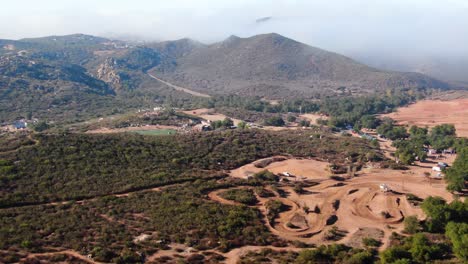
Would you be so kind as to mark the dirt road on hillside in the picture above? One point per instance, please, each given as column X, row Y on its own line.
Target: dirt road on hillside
column 178, row 88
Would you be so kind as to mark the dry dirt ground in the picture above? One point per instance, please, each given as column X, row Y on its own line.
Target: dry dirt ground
column 435, row 112
column 356, row 206
column 313, row 117
column 71, row 253
column 210, row 115
column 106, row 130
column 309, row 168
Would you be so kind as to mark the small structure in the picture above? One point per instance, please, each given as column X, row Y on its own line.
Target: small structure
column 384, row 187
column 20, row 124
column 442, row 164
column 432, row 151
column 449, row 151
column 436, row 168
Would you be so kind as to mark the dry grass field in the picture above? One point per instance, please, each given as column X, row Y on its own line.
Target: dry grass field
column 435, row 112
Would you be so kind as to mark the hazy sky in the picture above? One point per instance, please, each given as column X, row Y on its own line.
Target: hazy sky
column 348, row 26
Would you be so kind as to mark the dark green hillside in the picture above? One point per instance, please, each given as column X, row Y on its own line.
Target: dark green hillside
column 76, row 48
column 276, row 67
column 81, row 74
column 107, row 227
column 64, row 167
column 140, row 58
column 24, row 69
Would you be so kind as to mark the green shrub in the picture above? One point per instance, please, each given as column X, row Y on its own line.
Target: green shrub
column 411, row 224
column 245, row 196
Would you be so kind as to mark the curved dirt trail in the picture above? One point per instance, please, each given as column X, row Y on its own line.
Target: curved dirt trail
column 214, row 196
column 94, row 198
column 66, row 252
column 351, row 205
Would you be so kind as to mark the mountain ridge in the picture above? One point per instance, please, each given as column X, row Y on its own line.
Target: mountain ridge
column 82, row 72
column 268, row 60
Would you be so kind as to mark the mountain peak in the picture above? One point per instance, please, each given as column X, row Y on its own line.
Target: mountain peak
column 232, row 38
column 271, row 35
column 258, row 64
column 274, row 39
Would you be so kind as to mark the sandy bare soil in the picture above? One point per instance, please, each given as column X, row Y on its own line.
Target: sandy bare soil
column 210, row 115
column 275, row 128
column 357, row 206
column 435, row 112
column 231, row 257
column 106, row 130
column 313, row 117
column 309, row 168
column 66, row 252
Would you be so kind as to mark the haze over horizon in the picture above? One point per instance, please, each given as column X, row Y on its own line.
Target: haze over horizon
column 436, row 26
column 390, row 34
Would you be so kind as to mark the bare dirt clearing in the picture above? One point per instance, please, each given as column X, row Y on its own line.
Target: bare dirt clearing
column 210, row 115
column 106, row 130
column 314, row 117
column 435, row 112
column 308, row 168
column 72, row 253
column 357, row 207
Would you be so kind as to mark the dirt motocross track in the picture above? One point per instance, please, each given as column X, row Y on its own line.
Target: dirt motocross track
column 351, row 205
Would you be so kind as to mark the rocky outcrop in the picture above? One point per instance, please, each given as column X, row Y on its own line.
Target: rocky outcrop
column 107, row 72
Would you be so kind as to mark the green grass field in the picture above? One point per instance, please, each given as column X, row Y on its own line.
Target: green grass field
column 156, row 132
